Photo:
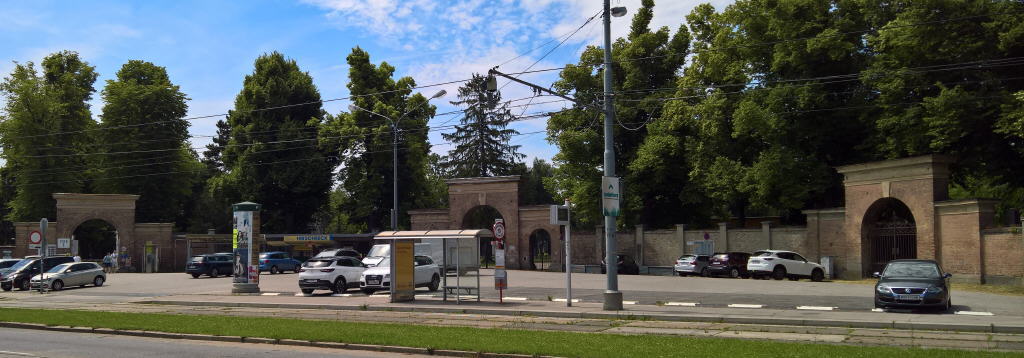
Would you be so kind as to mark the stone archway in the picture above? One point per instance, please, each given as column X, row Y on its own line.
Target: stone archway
column 95, row 239
column 889, row 233
column 482, row 217
column 500, row 193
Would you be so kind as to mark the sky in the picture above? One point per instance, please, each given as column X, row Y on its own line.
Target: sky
column 209, row 46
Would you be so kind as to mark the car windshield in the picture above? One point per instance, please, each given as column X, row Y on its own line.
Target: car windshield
column 197, row 259
column 379, row 251
column 722, row 256
column 58, row 268
column 317, row 263
column 761, row 253
column 687, row 257
column 263, row 256
column 21, row 264
column 912, row 269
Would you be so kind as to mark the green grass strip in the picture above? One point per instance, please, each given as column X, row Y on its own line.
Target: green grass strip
column 567, row 344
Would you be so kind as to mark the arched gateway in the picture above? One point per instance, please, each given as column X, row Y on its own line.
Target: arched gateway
column 145, row 247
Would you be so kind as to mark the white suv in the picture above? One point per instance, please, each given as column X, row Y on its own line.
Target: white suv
column 330, row 273
column 780, row 264
column 427, row 273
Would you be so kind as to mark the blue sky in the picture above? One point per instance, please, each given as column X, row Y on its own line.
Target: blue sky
column 209, row 46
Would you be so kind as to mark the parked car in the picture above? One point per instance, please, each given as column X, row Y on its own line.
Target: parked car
column 7, row 263
column 692, row 265
column 732, row 264
column 779, row 264
column 427, row 274
column 339, row 253
column 21, row 273
column 276, row 262
column 626, row 266
column 210, row 264
column 71, row 274
column 330, row 273
column 913, row 284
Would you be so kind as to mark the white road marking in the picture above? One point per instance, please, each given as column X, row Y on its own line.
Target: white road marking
column 629, row 302
column 17, row 354
column 574, row 300
column 342, row 295
column 301, row 295
column 816, row 308
column 426, row 296
column 877, row 310
column 271, row 294
column 974, row 313
column 686, row 304
column 743, row 305
column 515, row 298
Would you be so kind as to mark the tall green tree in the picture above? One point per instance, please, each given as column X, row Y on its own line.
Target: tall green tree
column 43, row 131
column 363, row 141
column 144, row 122
column 273, row 157
column 533, row 191
column 481, row 141
column 644, row 63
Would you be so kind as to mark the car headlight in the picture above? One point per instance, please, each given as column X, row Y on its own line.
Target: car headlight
column 883, row 289
column 934, row 289
column 387, row 275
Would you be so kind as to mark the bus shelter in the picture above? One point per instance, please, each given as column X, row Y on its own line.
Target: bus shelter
column 456, row 252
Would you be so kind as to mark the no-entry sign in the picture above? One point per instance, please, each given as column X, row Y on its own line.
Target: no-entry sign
column 35, row 238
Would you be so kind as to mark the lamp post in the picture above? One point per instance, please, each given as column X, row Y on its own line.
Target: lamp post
column 394, row 151
column 612, row 296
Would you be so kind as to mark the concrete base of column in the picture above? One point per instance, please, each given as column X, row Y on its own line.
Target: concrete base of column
column 245, row 288
column 612, row 301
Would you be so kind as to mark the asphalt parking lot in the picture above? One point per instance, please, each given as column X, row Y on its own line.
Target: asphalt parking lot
column 541, row 286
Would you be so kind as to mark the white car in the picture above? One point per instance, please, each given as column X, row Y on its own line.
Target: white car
column 427, row 273
column 330, row 273
column 779, row 264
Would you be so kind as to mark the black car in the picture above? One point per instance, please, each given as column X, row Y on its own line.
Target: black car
column 912, row 284
column 20, row 274
column 626, row 266
column 210, row 264
column 732, row 264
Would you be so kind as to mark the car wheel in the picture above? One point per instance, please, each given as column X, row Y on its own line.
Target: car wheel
column 214, row 273
column 879, row 306
column 98, row 281
column 7, row 287
column 779, row 273
column 734, row 273
column 273, row 270
column 435, row 283
column 817, row 275
column 704, row 272
column 340, row 286
column 368, row 291
column 195, row 275
column 949, row 305
column 307, row 291
column 57, row 285
column 24, row 285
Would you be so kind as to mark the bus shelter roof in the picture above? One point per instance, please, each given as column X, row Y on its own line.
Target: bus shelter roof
column 433, row 234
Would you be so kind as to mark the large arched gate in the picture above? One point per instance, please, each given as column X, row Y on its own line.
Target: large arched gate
column 891, row 233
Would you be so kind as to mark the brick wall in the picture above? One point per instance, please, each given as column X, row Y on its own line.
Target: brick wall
column 1004, row 256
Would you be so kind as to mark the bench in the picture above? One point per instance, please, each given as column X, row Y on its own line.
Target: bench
column 463, row 290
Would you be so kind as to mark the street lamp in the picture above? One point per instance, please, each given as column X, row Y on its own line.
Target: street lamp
column 612, row 295
column 394, row 150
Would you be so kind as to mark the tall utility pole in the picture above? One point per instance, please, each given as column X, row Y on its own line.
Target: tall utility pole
column 612, row 296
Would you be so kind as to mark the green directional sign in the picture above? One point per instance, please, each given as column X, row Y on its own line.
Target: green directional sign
column 610, row 195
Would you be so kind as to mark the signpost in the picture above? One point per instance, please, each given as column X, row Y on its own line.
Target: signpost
column 500, row 276
column 42, row 251
column 560, row 216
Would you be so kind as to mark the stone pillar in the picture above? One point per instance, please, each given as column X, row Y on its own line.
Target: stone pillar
column 638, row 239
column 681, row 236
column 766, row 233
column 723, row 231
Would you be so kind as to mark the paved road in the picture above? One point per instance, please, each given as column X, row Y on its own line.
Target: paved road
column 31, row 343
column 706, row 292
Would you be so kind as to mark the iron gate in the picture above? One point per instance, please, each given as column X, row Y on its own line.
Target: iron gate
column 892, row 241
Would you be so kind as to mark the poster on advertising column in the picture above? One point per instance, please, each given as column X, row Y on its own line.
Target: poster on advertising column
column 242, row 241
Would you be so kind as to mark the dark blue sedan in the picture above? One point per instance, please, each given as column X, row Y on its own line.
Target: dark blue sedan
column 277, row 262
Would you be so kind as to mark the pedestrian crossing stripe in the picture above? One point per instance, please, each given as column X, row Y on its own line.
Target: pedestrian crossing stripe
column 743, row 305
column 684, row 304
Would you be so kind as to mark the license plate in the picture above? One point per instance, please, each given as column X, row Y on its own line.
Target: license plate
column 372, row 282
column 755, row 261
column 310, row 281
column 909, row 297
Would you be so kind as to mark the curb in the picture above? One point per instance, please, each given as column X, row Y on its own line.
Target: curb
column 260, row 340
column 986, row 328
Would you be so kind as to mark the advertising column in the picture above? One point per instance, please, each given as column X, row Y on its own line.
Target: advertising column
column 245, row 270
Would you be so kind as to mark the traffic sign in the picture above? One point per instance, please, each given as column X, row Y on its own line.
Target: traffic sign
column 499, row 229
column 63, row 243
column 35, row 238
column 610, row 196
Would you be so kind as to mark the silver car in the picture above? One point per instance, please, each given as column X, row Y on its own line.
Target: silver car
column 71, row 274
column 692, row 265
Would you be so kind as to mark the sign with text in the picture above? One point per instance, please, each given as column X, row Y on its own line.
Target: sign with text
column 243, row 242
column 63, row 243
column 500, row 276
column 610, row 195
